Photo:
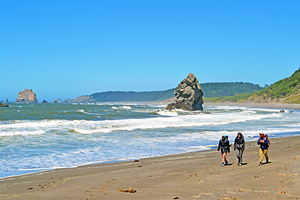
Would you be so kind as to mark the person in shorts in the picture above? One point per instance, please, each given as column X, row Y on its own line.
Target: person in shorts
column 225, row 148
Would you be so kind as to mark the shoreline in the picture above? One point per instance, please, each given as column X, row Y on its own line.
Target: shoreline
column 28, row 171
column 257, row 105
column 193, row 175
column 116, row 175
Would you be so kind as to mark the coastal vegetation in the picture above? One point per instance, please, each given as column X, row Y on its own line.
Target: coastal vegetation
column 119, row 96
column 283, row 91
column 209, row 90
column 229, row 88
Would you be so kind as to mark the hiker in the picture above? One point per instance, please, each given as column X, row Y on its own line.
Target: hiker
column 263, row 150
column 225, row 148
column 239, row 147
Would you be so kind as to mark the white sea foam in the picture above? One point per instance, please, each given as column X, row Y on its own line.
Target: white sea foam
column 265, row 109
column 106, row 126
column 33, row 169
column 89, row 131
column 126, row 107
column 16, row 133
column 249, row 111
column 297, row 125
column 64, row 143
column 121, row 108
column 201, row 148
column 162, row 122
column 167, row 113
column 88, row 113
column 229, row 108
column 226, row 107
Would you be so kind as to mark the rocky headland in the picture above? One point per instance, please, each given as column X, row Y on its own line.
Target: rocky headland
column 188, row 94
column 27, row 96
column 81, row 99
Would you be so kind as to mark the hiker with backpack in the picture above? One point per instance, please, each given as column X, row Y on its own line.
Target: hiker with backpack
column 225, row 148
column 239, row 147
column 264, row 143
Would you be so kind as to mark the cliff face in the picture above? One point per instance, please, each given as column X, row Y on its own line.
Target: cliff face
column 27, row 96
column 189, row 95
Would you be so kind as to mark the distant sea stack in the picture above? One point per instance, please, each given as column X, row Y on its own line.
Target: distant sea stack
column 3, row 105
column 27, row 96
column 57, row 101
column 188, row 95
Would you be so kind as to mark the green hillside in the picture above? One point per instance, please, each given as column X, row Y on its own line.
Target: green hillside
column 133, row 96
column 284, row 91
column 228, row 89
column 209, row 89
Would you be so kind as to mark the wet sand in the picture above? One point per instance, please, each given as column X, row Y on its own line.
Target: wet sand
column 196, row 175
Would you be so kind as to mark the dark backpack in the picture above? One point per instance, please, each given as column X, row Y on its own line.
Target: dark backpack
column 241, row 144
column 267, row 137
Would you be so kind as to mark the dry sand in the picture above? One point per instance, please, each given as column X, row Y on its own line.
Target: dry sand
column 196, row 175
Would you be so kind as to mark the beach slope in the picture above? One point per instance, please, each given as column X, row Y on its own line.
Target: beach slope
column 196, row 175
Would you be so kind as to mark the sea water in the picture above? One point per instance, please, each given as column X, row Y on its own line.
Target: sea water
column 38, row 137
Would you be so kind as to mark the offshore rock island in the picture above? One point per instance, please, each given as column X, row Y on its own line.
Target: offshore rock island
column 27, row 96
column 189, row 95
column 3, row 105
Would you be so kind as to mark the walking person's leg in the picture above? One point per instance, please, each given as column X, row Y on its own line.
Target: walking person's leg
column 241, row 157
column 261, row 155
column 238, row 155
column 223, row 158
column 266, row 155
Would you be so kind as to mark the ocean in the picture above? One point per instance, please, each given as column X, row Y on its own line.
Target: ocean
column 38, row 137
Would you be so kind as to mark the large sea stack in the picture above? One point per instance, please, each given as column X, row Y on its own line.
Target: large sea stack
column 27, row 96
column 188, row 95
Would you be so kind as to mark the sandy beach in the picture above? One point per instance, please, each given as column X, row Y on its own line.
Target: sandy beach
column 195, row 175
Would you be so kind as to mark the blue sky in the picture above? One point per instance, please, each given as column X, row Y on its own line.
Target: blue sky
column 68, row 48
